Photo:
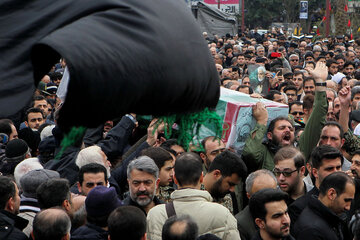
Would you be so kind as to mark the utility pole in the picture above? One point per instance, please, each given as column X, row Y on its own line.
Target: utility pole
column 327, row 15
column 219, row 4
column 242, row 16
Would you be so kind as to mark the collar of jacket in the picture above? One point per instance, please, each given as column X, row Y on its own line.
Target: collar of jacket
column 14, row 220
column 186, row 193
column 324, row 212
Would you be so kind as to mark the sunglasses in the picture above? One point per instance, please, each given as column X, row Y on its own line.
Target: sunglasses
column 277, row 172
column 296, row 113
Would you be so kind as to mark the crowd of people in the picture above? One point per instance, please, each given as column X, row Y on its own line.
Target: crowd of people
column 297, row 176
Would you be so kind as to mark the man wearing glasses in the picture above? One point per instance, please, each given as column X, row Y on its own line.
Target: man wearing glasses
column 294, row 60
column 289, row 171
column 296, row 109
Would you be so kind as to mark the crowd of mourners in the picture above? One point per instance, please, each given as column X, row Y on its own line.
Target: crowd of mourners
column 297, row 176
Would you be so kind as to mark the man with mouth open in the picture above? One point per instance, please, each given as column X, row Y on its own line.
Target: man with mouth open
column 280, row 132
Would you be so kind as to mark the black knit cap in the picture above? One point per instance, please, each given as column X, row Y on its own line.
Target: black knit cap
column 16, row 148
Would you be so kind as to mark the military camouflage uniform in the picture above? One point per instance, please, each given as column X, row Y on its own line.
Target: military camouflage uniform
column 225, row 201
column 352, row 142
column 164, row 193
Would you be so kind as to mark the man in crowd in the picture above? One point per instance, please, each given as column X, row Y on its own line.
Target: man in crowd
column 225, row 172
column 289, row 171
column 127, row 222
column 190, row 200
column 90, row 176
column 212, row 146
column 34, row 118
column 179, row 228
column 99, row 203
column 52, row 223
column 55, row 193
column 268, row 208
column 324, row 160
column 143, row 178
column 321, row 218
column 256, row 181
column 11, row 225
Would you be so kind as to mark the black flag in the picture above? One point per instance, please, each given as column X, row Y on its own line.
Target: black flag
column 142, row 56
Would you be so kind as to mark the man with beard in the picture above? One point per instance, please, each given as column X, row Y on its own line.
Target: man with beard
column 321, row 219
column 280, row 133
column 143, row 177
column 268, row 208
column 224, row 174
column 188, row 199
column 289, row 171
column 324, row 160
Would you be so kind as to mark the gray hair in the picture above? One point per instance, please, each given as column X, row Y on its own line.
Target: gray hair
column 294, row 55
column 331, row 89
column 355, row 90
column 251, row 178
column 88, row 155
column 144, row 164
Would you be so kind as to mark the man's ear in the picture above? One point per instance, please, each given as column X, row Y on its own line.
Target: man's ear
column 10, row 204
column 66, row 205
column 203, row 157
column 175, row 180
column 216, row 173
column 157, row 183
column 79, row 187
column 260, row 223
column 315, row 172
column 269, row 135
column 331, row 194
column 342, row 141
column 26, row 124
column 302, row 170
column 201, row 180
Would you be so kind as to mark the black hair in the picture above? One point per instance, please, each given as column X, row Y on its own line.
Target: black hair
column 127, row 222
column 336, row 180
column 189, row 232
column 274, row 121
column 33, row 110
column 92, row 168
column 5, row 126
column 188, row 168
column 271, row 94
column 7, row 190
column 295, row 103
column 259, row 199
column 158, row 154
column 53, row 193
column 308, row 79
column 330, row 61
column 335, row 124
column 321, row 152
column 229, row 163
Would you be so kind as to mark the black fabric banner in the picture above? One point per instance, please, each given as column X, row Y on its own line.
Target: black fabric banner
column 142, row 56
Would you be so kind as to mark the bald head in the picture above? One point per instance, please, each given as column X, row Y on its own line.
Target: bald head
column 52, row 223
column 258, row 180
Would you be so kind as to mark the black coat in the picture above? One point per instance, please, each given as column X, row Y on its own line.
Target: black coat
column 11, row 226
column 258, row 237
column 299, row 205
column 318, row 222
column 89, row 232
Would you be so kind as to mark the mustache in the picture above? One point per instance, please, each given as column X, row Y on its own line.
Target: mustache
column 142, row 193
column 286, row 225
